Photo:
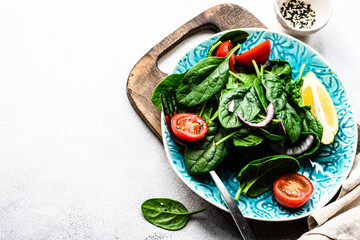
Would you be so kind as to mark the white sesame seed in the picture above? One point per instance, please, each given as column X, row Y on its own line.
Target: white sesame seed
column 298, row 14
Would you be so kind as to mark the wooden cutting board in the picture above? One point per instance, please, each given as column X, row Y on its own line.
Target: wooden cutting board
column 145, row 75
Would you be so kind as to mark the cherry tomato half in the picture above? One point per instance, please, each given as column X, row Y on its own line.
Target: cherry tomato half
column 260, row 53
column 292, row 190
column 188, row 126
column 222, row 51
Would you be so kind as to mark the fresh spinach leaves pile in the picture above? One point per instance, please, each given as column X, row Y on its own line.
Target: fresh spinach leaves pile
column 209, row 87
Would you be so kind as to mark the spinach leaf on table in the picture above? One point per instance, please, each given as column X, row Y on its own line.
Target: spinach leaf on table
column 246, row 103
column 204, row 80
column 258, row 176
column 166, row 213
column 168, row 84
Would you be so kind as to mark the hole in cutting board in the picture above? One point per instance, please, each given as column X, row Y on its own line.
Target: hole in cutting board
column 167, row 62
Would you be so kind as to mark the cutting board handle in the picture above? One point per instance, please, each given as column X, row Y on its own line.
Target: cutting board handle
column 217, row 19
column 146, row 74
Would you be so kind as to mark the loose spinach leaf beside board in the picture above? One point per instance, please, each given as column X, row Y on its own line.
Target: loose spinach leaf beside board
column 166, row 213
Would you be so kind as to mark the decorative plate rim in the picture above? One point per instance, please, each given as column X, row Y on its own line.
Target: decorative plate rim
column 222, row 207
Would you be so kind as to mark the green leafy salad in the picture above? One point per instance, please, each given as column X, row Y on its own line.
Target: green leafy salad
column 253, row 110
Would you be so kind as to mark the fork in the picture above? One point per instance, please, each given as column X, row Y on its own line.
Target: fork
column 170, row 108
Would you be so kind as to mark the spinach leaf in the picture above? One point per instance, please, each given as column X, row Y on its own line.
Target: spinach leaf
column 169, row 83
column 258, row 176
column 205, row 110
column 271, row 136
column 236, row 37
column 281, row 68
column 249, row 140
column 237, row 80
column 209, row 109
column 260, row 93
column 228, row 119
column 204, row 80
column 311, row 123
column 276, row 92
column 246, row 103
column 205, row 155
column 294, row 92
column 213, row 47
column 166, row 213
column 290, row 119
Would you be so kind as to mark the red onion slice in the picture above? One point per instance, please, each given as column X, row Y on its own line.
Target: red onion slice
column 269, row 116
column 231, row 106
column 298, row 150
column 281, row 125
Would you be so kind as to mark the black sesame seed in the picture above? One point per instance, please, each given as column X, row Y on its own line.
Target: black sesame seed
column 298, row 14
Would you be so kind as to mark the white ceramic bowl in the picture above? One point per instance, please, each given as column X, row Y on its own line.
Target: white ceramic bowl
column 322, row 8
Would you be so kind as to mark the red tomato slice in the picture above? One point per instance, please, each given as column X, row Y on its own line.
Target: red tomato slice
column 222, row 51
column 232, row 61
column 292, row 190
column 188, row 127
column 260, row 53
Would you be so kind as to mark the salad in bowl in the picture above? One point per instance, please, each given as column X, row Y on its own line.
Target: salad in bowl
column 270, row 124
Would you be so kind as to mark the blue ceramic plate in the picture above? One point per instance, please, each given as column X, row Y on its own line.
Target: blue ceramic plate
column 327, row 169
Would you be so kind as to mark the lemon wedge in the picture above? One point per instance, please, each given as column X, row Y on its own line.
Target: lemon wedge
column 315, row 94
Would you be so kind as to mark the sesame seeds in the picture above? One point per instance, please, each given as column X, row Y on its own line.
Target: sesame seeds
column 298, row 14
